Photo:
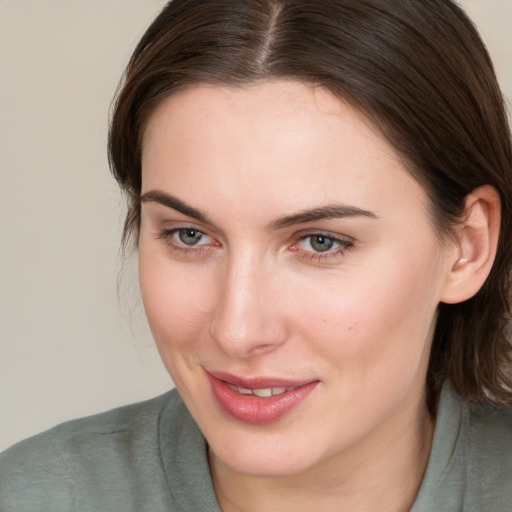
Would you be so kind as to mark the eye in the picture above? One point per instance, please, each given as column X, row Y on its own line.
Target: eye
column 191, row 236
column 318, row 243
column 321, row 246
column 186, row 239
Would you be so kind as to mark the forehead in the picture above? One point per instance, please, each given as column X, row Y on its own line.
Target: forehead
column 280, row 103
column 277, row 139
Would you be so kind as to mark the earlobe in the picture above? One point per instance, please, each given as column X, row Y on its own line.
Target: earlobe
column 477, row 241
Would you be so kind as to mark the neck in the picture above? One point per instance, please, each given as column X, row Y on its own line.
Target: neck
column 384, row 472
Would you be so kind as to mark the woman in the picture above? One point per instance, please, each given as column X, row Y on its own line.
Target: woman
column 320, row 197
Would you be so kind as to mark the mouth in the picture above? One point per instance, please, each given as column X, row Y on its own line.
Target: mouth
column 259, row 400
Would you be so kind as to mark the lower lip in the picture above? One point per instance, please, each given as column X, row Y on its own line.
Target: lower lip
column 256, row 410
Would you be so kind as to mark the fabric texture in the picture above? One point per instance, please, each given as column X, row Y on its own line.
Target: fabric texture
column 151, row 456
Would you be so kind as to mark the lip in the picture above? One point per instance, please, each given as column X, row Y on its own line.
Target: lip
column 257, row 410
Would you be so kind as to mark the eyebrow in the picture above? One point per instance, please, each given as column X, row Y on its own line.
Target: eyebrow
column 157, row 196
column 333, row 211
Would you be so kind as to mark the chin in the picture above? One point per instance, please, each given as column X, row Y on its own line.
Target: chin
column 265, row 454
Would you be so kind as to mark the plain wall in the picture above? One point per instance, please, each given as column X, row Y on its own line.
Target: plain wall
column 69, row 346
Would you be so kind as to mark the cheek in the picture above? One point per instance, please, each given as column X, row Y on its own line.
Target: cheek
column 175, row 302
column 376, row 321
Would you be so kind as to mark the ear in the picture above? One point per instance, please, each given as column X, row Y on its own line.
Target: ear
column 476, row 245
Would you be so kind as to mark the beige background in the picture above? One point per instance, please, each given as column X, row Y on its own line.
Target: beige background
column 68, row 345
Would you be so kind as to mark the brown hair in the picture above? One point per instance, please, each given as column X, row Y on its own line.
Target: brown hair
column 416, row 68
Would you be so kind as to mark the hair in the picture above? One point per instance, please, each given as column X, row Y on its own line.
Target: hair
column 416, row 68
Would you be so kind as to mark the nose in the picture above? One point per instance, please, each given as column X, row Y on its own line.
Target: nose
column 249, row 317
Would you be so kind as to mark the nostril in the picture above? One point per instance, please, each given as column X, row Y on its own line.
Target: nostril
column 261, row 349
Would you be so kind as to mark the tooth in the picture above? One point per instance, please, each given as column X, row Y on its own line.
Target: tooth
column 244, row 391
column 278, row 391
column 263, row 393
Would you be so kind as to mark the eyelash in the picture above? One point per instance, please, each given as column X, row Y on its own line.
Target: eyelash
column 168, row 236
column 343, row 244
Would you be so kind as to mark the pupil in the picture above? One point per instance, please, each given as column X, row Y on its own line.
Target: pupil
column 321, row 243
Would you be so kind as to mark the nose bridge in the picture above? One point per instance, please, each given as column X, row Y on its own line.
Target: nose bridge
column 246, row 318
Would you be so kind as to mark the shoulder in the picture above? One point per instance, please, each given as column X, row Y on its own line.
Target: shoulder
column 490, row 435
column 485, row 420
column 52, row 470
column 470, row 464
column 489, row 458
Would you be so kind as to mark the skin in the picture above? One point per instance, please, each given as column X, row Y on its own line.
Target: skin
column 254, row 297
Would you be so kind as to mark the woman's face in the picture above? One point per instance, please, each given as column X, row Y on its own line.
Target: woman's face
column 290, row 274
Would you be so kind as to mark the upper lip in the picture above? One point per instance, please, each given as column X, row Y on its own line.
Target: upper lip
column 258, row 382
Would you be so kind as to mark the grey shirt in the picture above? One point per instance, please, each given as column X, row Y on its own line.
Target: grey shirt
column 151, row 456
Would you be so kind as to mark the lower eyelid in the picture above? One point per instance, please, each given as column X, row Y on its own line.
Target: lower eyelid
column 169, row 237
column 343, row 245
